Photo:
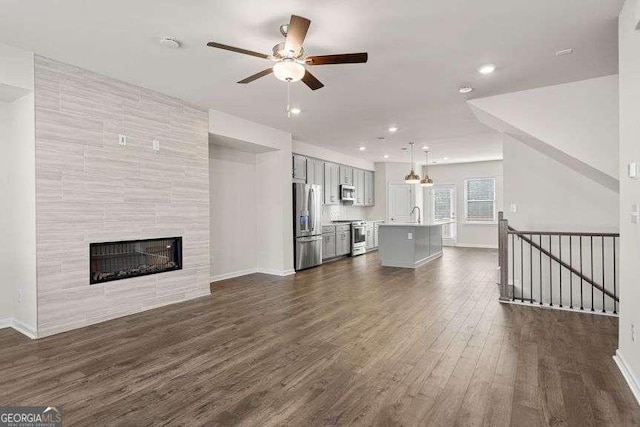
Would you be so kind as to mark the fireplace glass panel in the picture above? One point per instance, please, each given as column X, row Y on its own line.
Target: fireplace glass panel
column 122, row 260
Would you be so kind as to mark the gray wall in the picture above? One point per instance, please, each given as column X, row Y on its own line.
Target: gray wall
column 91, row 189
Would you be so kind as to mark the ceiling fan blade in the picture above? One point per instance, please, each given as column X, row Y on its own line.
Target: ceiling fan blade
column 310, row 80
column 296, row 32
column 345, row 58
column 238, row 50
column 256, row 76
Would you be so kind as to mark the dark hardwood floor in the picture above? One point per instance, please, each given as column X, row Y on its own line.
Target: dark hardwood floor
column 347, row 343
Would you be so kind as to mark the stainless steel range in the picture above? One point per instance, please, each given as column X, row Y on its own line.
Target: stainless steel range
column 358, row 238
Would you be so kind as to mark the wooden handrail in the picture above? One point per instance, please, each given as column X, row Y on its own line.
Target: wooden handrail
column 562, row 233
column 590, row 281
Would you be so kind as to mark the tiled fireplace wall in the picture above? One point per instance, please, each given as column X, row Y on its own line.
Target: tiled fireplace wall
column 89, row 188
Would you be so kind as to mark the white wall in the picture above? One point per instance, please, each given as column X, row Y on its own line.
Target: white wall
column 18, row 286
column 628, row 350
column 273, row 184
column 551, row 197
column 234, row 213
column 7, row 292
column 579, row 118
column 16, row 67
column 310, row 150
column 474, row 235
column 391, row 173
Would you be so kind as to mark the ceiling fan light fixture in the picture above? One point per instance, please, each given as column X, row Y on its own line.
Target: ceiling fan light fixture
column 289, row 70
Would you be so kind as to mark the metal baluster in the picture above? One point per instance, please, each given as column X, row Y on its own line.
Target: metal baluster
column 521, row 269
column 550, row 275
column 540, row 269
column 614, row 276
column 592, row 273
column 513, row 267
column 581, row 279
column 603, row 287
column 560, row 266
column 571, row 272
column 531, row 270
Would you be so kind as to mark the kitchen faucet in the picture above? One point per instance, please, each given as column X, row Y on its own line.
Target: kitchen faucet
column 412, row 210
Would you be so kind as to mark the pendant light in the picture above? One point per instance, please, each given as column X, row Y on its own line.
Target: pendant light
column 426, row 181
column 412, row 178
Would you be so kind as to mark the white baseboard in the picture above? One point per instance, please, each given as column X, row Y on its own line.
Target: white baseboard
column 233, row 274
column 19, row 326
column 276, row 272
column 474, row 245
column 628, row 375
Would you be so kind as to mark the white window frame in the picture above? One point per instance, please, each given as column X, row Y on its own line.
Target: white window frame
column 466, row 201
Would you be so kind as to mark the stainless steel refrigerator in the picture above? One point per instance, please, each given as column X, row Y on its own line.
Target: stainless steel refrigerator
column 307, row 225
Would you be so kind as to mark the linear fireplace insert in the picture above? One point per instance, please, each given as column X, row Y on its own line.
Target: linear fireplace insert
column 122, row 260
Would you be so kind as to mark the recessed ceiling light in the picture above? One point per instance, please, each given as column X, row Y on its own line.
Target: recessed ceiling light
column 295, row 110
column 564, row 52
column 170, row 43
column 445, row 158
column 393, row 129
column 487, row 69
column 425, row 147
column 363, row 148
column 465, row 89
column 386, row 156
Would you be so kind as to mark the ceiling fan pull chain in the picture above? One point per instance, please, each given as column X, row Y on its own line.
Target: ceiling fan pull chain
column 288, row 98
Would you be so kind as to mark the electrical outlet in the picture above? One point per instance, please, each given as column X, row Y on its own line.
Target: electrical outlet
column 633, row 333
column 20, row 295
column 122, row 139
column 410, row 236
column 513, row 208
column 156, row 145
column 635, row 213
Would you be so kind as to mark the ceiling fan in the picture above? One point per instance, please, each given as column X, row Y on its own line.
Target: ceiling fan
column 289, row 56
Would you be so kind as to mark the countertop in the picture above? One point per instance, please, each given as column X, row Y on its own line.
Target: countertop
column 411, row 224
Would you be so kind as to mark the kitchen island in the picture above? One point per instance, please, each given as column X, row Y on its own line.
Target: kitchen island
column 409, row 245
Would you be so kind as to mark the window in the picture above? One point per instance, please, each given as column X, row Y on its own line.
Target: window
column 442, row 202
column 480, row 200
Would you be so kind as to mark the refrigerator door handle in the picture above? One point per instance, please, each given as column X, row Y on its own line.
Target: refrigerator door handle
column 311, row 211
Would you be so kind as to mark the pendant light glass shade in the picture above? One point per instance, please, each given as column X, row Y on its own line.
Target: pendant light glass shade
column 426, row 181
column 412, row 178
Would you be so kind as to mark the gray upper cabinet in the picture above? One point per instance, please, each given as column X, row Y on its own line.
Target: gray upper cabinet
column 299, row 168
column 358, row 181
column 369, row 188
column 331, row 184
column 315, row 173
column 346, row 175
column 331, row 176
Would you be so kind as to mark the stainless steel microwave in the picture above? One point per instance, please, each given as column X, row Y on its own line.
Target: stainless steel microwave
column 347, row 192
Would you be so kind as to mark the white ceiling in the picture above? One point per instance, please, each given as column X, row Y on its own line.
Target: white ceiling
column 420, row 52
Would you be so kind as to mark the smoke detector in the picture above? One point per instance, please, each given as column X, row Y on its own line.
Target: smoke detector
column 170, row 43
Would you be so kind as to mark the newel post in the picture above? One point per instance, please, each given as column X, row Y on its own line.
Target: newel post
column 503, row 256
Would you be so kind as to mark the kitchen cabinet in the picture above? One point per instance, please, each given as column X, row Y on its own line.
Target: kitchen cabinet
column 331, row 184
column 346, row 175
column 329, row 245
column 299, row 168
column 369, row 188
column 358, row 182
column 315, row 173
column 368, row 230
column 343, row 243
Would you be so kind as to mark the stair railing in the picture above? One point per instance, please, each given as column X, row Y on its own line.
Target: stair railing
column 575, row 270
